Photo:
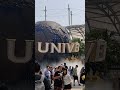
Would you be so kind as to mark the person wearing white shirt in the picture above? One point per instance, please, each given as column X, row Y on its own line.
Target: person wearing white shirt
column 39, row 85
column 67, row 80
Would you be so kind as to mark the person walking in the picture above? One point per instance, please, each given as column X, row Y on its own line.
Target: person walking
column 75, row 75
column 69, row 70
column 72, row 71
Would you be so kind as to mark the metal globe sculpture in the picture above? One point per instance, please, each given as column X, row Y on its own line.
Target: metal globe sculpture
column 49, row 31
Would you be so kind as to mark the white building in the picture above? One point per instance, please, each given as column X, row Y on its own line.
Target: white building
column 77, row 31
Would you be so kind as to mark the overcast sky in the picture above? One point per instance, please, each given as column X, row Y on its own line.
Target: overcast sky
column 57, row 11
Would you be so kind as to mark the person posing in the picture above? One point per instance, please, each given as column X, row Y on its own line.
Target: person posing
column 58, row 82
column 67, row 80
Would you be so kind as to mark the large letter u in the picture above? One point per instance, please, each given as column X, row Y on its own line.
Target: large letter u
column 11, row 51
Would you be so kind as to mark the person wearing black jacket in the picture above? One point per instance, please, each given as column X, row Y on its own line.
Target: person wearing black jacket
column 82, row 77
column 58, row 79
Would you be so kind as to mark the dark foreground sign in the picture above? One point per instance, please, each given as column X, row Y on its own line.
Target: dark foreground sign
column 16, row 22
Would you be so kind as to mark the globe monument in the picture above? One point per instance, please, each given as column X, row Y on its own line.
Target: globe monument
column 50, row 32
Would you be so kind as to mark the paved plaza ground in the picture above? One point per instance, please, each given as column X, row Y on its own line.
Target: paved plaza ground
column 78, row 88
column 99, row 85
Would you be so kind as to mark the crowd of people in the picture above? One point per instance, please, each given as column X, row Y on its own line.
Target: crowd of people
column 60, row 77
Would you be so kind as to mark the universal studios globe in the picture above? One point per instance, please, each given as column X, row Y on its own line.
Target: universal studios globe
column 49, row 31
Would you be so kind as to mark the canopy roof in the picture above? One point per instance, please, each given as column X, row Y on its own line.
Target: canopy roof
column 103, row 15
column 17, row 3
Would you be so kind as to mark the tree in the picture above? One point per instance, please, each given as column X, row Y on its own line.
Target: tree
column 113, row 46
column 81, row 49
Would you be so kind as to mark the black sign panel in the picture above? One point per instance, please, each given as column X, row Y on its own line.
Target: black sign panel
column 16, row 25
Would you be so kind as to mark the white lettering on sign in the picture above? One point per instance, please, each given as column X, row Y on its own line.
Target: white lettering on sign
column 60, row 47
column 47, row 47
column 101, row 50
column 96, row 50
